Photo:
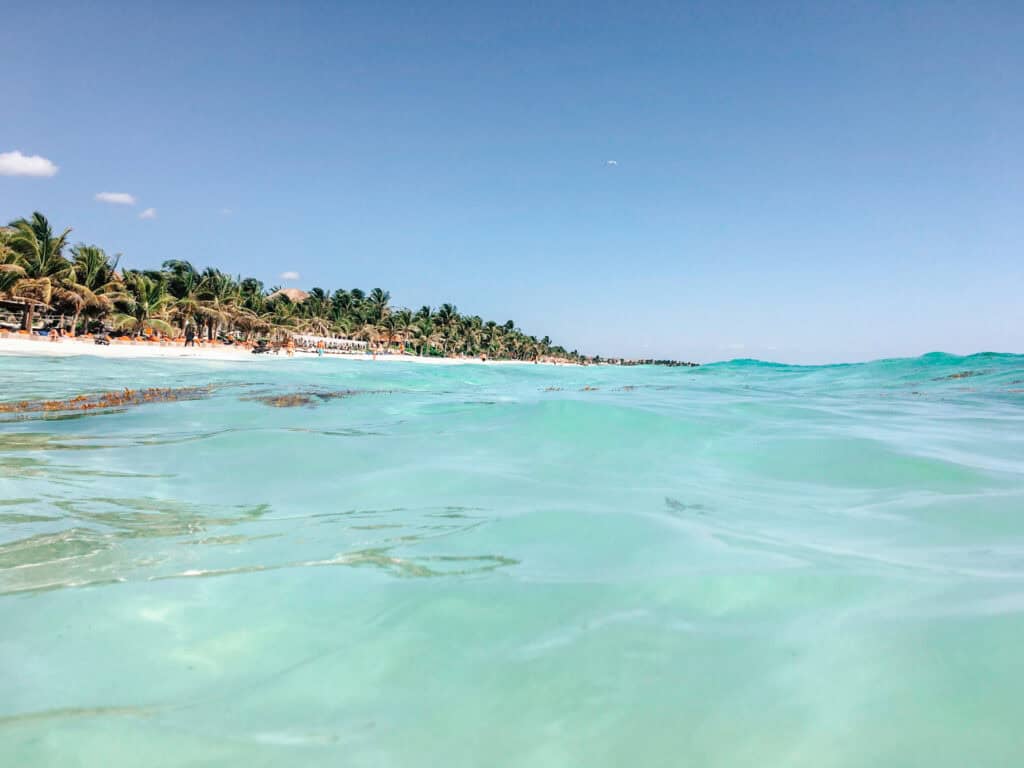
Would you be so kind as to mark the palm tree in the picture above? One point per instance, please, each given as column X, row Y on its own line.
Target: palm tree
column 91, row 285
column 379, row 304
column 283, row 316
column 317, row 319
column 341, row 304
column 42, row 262
column 146, row 302
column 179, row 273
column 471, row 330
column 403, row 321
column 396, row 328
column 447, row 316
column 248, row 322
column 317, row 312
column 370, row 332
column 387, row 330
column 183, row 284
column 427, row 334
column 253, row 300
column 10, row 267
column 188, row 302
column 219, row 299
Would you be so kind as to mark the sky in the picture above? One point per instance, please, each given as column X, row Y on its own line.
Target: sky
column 802, row 182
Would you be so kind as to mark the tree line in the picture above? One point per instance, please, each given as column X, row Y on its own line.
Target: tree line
column 87, row 289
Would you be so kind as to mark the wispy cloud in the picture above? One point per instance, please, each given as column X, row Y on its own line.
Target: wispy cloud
column 16, row 164
column 290, row 275
column 117, row 198
column 149, row 213
column 226, row 211
column 611, row 162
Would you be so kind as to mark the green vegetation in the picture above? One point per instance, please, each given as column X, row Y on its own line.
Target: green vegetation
column 85, row 288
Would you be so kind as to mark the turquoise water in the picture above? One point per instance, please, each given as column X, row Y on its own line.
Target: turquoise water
column 743, row 564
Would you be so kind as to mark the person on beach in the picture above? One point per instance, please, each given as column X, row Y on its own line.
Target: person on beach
column 190, row 336
column 291, row 347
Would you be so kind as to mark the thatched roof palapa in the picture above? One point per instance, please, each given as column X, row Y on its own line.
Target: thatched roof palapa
column 295, row 295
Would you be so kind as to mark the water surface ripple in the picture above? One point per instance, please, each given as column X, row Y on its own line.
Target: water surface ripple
column 325, row 562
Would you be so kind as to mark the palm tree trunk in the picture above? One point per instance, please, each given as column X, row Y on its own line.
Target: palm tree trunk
column 74, row 323
column 29, row 311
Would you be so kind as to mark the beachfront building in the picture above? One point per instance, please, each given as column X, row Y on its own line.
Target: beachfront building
column 330, row 344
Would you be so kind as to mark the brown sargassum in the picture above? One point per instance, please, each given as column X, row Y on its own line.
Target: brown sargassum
column 310, row 398
column 103, row 401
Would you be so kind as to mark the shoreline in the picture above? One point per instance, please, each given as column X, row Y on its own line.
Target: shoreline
column 68, row 347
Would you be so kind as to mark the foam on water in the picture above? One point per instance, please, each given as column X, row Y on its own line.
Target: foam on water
column 741, row 564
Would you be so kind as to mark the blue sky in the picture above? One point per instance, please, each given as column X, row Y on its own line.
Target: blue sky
column 805, row 182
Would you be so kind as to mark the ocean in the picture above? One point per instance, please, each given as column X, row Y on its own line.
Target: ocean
column 319, row 562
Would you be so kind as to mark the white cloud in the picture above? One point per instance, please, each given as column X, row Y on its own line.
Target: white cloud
column 117, row 198
column 226, row 211
column 289, row 275
column 16, row 164
column 611, row 162
column 149, row 213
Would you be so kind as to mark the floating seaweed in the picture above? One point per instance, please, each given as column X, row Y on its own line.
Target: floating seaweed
column 281, row 401
column 310, row 398
column 106, row 401
column 343, row 393
column 674, row 505
column 959, row 375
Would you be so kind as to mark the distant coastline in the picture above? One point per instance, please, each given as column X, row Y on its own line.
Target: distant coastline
column 18, row 344
column 85, row 292
column 667, row 363
column 35, row 345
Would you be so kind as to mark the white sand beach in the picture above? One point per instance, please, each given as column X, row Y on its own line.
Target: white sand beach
column 69, row 347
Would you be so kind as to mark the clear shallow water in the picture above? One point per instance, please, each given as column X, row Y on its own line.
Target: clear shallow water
column 742, row 564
